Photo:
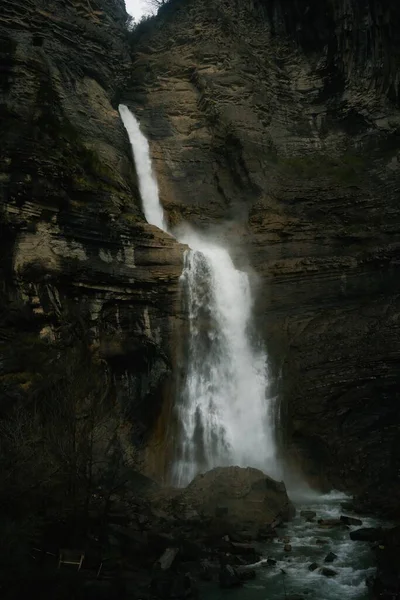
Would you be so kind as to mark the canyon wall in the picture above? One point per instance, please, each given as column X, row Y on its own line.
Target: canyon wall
column 277, row 123
column 272, row 123
column 74, row 245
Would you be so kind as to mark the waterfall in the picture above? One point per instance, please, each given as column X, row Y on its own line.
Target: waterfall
column 226, row 415
column 148, row 187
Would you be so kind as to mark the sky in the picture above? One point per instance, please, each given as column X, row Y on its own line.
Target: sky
column 136, row 8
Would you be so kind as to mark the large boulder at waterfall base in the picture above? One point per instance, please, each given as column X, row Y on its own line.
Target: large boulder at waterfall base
column 239, row 499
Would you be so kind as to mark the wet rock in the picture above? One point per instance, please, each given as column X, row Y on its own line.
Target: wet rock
column 228, row 577
column 242, row 549
column 350, row 520
column 313, row 566
column 367, row 534
column 287, row 548
column 271, row 562
column 246, row 573
column 206, row 570
column 161, row 583
column 330, row 523
column 253, row 499
column 321, row 542
column 328, row 572
column 191, row 550
column 184, row 586
column 350, row 506
column 308, row 515
column 330, row 557
column 165, row 561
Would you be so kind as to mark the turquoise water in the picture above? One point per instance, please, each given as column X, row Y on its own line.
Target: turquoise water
column 353, row 565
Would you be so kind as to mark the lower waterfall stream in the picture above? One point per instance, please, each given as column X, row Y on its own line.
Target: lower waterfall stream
column 291, row 578
column 227, row 416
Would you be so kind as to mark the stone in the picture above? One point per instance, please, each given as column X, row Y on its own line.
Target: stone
column 330, row 557
column 266, row 532
column 287, row 548
column 253, row 499
column 243, row 549
column 328, row 572
column 271, row 562
column 191, row 550
column 228, row 577
column 169, row 555
column 246, row 573
column 350, row 520
column 206, row 570
column 330, row 523
column 367, row 534
column 321, row 542
column 308, row 515
column 350, row 506
column 184, row 586
column 313, row 566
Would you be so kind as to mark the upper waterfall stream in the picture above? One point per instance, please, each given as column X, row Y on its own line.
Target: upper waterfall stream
column 225, row 413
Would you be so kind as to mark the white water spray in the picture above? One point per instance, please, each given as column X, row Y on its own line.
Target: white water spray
column 225, row 413
column 226, row 416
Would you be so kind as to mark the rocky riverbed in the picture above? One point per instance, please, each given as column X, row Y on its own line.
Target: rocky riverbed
column 231, row 531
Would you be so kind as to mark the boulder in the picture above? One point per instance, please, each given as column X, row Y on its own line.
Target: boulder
column 350, row 520
column 308, row 515
column 266, row 532
column 330, row 557
column 330, row 523
column 328, row 572
column 228, row 577
column 243, row 549
column 246, row 573
column 184, row 586
column 287, row 548
column 313, row 566
column 367, row 534
column 206, row 570
column 241, row 498
column 165, row 561
column 169, row 584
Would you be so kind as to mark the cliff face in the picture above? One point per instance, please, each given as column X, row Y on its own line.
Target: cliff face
column 74, row 243
column 273, row 122
column 280, row 119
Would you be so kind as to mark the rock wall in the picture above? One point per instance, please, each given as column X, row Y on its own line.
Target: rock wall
column 73, row 238
column 279, row 121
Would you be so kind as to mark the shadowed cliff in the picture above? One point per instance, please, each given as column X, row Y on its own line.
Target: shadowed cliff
column 73, row 237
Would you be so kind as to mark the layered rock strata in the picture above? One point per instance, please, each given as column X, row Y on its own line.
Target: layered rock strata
column 74, row 242
column 279, row 121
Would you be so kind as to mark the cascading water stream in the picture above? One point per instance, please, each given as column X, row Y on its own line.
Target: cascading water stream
column 225, row 414
column 152, row 208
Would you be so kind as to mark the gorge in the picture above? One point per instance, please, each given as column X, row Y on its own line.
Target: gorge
column 273, row 129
